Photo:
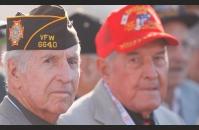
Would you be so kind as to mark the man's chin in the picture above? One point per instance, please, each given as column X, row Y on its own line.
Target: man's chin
column 63, row 108
column 151, row 105
column 146, row 106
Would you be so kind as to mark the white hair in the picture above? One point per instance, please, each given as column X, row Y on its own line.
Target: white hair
column 111, row 56
column 21, row 58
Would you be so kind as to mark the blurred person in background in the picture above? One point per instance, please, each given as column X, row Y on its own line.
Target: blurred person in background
column 193, row 37
column 2, row 48
column 192, row 9
column 194, row 63
column 183, row 94
column 86, row 26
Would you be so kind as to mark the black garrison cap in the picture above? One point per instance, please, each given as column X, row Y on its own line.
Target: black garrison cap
column 47, row 27
column 86, row 26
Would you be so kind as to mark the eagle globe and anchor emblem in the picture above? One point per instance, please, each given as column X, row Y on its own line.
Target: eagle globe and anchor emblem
column 16, row 32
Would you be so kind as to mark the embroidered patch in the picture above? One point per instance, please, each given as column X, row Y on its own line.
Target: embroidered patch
column 141, row 19
column 16, row 32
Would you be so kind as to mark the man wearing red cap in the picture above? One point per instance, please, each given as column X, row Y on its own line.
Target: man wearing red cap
column 133, row 62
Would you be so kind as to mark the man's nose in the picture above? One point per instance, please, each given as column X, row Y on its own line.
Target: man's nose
column 65, row 73
column 150, row 70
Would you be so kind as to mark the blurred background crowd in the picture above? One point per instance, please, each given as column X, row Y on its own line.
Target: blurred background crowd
column 182, row 21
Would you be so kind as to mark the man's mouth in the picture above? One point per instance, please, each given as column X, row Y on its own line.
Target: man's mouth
column 62, row 92
column 150, row 87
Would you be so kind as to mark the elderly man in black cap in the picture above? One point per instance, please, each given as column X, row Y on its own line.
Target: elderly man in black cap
column 87, row 27
column 42, row 67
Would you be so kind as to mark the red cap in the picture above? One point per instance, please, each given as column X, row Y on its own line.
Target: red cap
column 129, row 28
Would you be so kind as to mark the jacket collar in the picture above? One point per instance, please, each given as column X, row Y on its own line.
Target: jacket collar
column 104, row 106
column 9, row 111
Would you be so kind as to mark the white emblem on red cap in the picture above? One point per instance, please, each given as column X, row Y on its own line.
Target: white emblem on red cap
column 124, row 19
column 141, row 19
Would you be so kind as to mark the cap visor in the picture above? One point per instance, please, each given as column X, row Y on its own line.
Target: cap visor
column 170, row 40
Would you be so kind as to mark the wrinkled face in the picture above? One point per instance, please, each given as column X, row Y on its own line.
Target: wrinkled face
column 178, row 55
column 89, row 74
column 139, row 79
column 50, row 80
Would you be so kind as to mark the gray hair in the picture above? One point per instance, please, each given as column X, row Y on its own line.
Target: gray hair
column 111, row 56
column 21, row 58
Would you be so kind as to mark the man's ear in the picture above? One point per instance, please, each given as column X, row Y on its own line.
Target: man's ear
column 104, row 68
column 13, row 73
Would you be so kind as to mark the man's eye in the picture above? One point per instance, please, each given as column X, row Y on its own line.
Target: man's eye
column 159, row 60
column 135, row 59
column 48, row 60
column 72, row 61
